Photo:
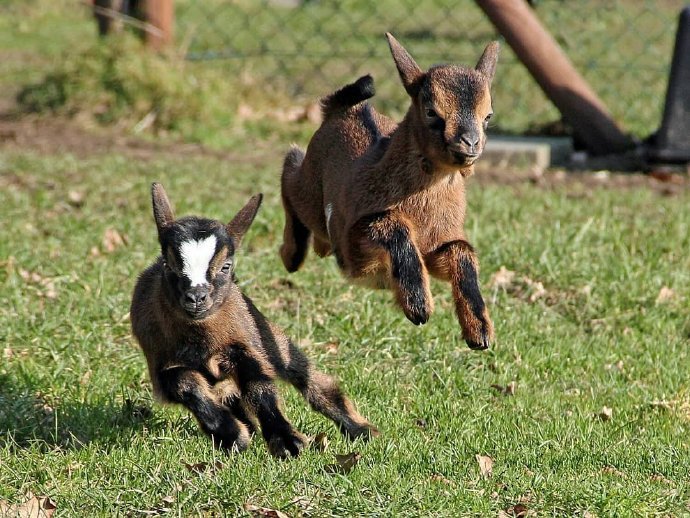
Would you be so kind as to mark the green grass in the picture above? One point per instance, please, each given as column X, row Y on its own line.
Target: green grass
column 102, row 447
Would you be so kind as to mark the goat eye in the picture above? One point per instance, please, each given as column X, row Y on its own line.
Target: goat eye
column 488, row 117
column 431, row 113
column 226, row 267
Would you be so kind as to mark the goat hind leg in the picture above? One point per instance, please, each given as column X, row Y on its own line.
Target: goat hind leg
column 323, row 394
column 295, row 239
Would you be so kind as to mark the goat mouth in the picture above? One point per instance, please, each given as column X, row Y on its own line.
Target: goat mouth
column 464, row 158
column 196, row 313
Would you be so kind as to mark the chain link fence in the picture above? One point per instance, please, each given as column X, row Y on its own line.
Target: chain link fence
column 310, row 47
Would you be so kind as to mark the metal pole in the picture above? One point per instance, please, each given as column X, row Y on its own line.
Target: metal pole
column 557, row 77
column 160, row 14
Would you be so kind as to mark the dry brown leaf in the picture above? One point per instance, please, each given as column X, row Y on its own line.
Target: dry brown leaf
column 112, row 240
column 320, row 442
column 508, row 390
column 518, row 511
column 331, row 347
column 503, row 278
column 665, row 295
column 657, row 477
column 76, row 198
column 486, row 465
column 245, row 112
column 344, row 463
column 33, row 507
column 437, row 477
column 535, row 288
column 610, row 470
column 202, row 467
column 255, row 510
column 606, row 414
column 618, row 366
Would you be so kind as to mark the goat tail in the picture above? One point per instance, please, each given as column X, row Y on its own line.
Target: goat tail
column 349, row 95
column 293, row 160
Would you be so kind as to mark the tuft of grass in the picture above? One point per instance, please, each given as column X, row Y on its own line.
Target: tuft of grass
column 117, row 79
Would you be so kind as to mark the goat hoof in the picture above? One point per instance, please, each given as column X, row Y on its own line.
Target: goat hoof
column 483, row 341
column 287, row 444
column 417, row 317
column 365, row 432
column 233, row 444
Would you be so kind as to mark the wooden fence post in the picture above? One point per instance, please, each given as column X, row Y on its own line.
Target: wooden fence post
column 161, row 15
column 539, row 52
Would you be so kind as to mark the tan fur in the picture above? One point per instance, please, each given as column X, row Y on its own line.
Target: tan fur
column 359, row 164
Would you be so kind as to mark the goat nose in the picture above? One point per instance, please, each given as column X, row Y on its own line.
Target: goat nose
column 196, row 297
column 471, row 139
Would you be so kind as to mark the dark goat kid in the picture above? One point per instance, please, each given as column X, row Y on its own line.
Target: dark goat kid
column 208, row 347
column 389, row 199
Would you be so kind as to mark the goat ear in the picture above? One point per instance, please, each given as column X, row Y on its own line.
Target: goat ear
column 243, row 219
column 487, row 63
column 409, row 71
column 162, row 211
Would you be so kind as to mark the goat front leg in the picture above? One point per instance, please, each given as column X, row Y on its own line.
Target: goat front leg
column 260, row 398
column 191, row 389
column 457, row 262
column 408, row 275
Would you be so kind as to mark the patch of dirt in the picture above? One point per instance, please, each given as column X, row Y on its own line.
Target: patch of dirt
column 62, row 135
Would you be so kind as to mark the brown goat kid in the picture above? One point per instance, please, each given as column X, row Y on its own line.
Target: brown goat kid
column 209, row 348
column 389, row 199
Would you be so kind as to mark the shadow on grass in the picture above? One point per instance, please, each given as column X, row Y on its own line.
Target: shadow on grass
column 27, row 418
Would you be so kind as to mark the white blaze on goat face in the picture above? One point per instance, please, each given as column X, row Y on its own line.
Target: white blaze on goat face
column 196, row 257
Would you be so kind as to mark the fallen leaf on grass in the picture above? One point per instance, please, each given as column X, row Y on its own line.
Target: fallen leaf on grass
column 202, row 467
column 508, row 390
column 665, row 295
column 660, row 478
column 76, row 198
column 437, row 477
column 255, row 510
column 320, row 442
column 610, row 470
column 516, row 511
column 618, row 366
column 606, row 414
column 522, row 287
column 331, row 347
column 344, row 463
column 486, row 465
column 112, row 240
column 34, row 507
column 47, row 284
column 503, row 278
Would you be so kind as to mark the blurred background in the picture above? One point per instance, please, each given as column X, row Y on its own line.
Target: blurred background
column 264, row 61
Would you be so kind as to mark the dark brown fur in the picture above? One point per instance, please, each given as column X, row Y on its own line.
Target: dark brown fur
column 389, row 200
column 222, row 365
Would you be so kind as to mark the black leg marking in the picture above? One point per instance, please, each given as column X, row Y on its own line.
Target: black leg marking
column 189, row 388
column 406, row 265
